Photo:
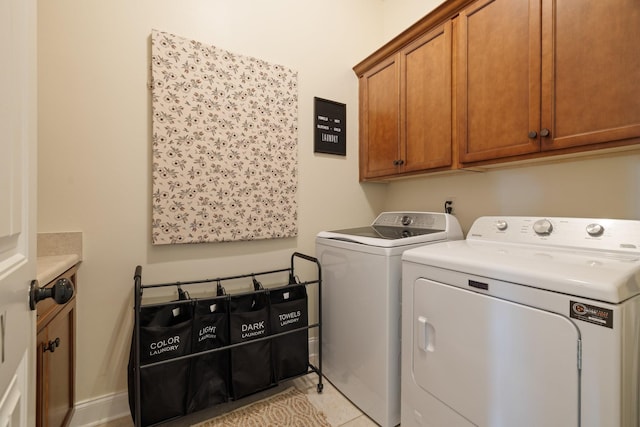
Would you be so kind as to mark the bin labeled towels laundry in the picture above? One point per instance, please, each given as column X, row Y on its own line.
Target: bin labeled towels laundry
column 289, row 311
column 165, row 333
column 209, row 376
column 251, row 368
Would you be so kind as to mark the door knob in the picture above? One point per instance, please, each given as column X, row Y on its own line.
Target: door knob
column 61, row 292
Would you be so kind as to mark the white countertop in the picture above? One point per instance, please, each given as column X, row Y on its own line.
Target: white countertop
column 50, row 267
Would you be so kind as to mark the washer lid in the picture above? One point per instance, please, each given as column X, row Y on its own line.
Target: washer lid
column 391, row 229
column 385, row 232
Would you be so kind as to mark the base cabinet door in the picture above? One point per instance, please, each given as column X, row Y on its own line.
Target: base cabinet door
column 55, row 370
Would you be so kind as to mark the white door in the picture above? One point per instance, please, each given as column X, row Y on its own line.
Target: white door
column 18, row 136
column 494, row 362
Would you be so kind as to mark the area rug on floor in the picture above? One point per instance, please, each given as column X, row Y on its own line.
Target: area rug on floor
column 288, row 408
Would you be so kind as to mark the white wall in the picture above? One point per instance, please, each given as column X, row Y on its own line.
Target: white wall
column 401, row 14
column 95, row 145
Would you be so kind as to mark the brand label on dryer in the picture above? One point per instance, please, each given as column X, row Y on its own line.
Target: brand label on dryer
column 591, row 313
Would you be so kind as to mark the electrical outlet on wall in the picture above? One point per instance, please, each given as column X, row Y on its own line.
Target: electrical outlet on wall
column 449, row 203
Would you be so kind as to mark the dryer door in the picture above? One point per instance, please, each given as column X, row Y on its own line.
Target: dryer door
column 494, row 362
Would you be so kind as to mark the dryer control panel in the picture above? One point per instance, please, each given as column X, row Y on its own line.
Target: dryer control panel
column 581, row 233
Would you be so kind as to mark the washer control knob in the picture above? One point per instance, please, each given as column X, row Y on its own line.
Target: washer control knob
column 406, row 220
column 543, row 227
column 501, row 224
column 595, row 230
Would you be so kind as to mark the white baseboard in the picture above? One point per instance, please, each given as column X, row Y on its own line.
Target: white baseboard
column 93, row 412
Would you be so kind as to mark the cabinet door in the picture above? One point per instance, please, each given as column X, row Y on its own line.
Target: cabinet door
column 591, row 73
column 498, row 79
column 425, row 86
column 56, row 366
column 379, row 120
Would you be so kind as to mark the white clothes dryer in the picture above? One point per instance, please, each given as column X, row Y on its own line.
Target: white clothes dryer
column 361, row 281
column 528, row 322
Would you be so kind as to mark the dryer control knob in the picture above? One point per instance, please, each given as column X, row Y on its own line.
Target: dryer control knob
column 543, row 227
column 501, row 224
column 406, row 220
column 595, row 230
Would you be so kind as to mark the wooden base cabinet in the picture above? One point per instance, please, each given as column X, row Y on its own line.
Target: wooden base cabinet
column 55, row 388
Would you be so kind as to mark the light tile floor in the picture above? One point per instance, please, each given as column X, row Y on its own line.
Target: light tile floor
column 339, row 410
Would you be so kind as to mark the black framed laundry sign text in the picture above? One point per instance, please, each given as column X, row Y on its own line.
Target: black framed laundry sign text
column 330, row 127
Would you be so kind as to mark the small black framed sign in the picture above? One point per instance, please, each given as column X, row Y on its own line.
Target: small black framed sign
column 330, row 127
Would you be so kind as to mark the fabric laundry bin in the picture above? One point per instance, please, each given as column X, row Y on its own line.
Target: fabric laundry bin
column 289, row 311
column 209, row 376
column 165, row 333
column 251, row 368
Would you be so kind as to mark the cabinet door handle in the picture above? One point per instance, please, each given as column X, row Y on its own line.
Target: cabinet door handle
column 532, row 134
column 545, row 132
column 51, row 346
column 398, row 162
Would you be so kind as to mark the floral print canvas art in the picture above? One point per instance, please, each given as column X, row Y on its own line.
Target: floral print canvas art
column 224, row 144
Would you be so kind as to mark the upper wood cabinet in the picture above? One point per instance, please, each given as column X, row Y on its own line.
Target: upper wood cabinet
column 536, row 76
column 476, row 83
column 591, row 72
column 425, row 109
column 405, row 109
column 380, row 119
column 498, row 79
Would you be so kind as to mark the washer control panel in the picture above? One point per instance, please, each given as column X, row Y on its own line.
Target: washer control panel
column 423, row 220
column 588, row 233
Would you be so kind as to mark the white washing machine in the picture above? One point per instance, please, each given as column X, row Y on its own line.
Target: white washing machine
column 361, row 282
column 528, row 322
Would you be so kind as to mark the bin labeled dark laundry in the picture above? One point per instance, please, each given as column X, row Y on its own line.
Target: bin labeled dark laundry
column 209, row 376
column 251, row 368
column 165, row 333
column 289, row 311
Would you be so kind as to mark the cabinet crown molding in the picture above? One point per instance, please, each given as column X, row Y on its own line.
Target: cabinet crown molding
column 444, row 12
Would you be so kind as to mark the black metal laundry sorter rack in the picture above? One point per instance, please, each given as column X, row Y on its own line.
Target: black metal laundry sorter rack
column 190, row 354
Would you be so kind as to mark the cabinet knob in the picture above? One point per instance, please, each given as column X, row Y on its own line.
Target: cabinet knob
column 532, row 134
column 51, row 346
column 545, row 132
column 61, row 292
column 398, row 162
